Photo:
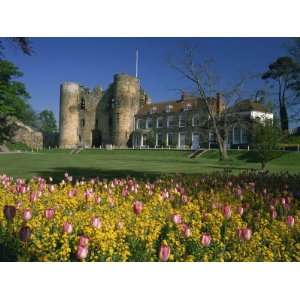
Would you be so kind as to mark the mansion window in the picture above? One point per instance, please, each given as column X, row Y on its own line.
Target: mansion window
column 171, row 139
column 149, row 123
column 153, row 110
column 139, row 124
column 171, row 121
column 212, row 137
column 160, row 122
column 182, row 121
column 169, row 108
column 196, row 120
column 187, row 107
column 159, row 139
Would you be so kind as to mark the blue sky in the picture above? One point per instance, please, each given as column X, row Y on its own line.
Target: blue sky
column 94, row 61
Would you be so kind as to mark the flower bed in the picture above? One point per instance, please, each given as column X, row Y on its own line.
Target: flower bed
column 219, row 217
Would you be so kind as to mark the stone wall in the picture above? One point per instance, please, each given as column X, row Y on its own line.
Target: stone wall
column 27, row 135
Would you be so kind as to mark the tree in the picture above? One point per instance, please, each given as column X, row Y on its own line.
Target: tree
column 199, row 73
column 46, row 122
column 13, row 99
column 21, row 42
column 285, row 72
column 265, row 137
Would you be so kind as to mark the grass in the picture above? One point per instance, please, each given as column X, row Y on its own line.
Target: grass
column 143, row 163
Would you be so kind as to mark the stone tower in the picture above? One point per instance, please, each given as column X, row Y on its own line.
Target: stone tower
column 69, row 115
column 125, row 104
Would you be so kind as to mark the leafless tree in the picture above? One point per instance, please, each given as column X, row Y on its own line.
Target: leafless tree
column 204, row 82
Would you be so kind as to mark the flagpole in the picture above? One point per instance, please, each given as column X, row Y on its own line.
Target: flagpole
column 136, row 62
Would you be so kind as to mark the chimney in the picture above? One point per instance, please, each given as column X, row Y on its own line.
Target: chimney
column 184, row 95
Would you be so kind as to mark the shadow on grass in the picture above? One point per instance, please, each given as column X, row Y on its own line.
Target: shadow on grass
column 253, row 157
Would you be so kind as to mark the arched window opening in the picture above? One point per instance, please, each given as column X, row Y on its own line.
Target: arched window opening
column 82, row 104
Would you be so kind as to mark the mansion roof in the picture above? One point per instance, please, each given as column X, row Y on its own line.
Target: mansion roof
column 175, row 106
column 196, row 103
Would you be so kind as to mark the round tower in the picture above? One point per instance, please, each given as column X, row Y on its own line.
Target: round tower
column 69, row 115
column 126, row 98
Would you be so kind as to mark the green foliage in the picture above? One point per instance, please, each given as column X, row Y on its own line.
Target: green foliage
column 265, row 138
column 151, row 139
column 17, row 146
column 13, row 99
column 285, row 71
column 46, row 122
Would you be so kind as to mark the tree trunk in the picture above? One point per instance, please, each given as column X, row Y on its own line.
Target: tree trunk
column 284, row 120
column 222, row 147
column 263, row 165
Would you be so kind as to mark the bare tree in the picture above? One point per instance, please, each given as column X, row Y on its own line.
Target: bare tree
column 204, row 82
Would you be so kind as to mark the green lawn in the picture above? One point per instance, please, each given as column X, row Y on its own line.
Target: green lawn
column 139, row 163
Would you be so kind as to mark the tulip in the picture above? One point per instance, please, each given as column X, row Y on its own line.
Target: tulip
column 18, row 204
column 25, row 233
column 184, row 198
column 27, row 214
column 246, row 233
column 83, row 241
column 82, row 252
column 206, row 239
column 227, row 211
column 49, row 213
column 137, row 207
column 273, row 214
column 290, row 221
column 96, row 222
column 98, row 200
column 9, row 212
column 164, row 252
column 33, row 197
column 186, row 230
column 240, row 210
column 51, row 188
column 239, row 233
column 67, row 227
column 176, row 218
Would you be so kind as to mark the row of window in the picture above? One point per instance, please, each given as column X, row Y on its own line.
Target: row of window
column 171, row 121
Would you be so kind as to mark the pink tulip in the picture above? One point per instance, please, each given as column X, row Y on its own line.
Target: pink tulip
column 239, row 233
column 70, row 194
column 164, row 252
column 227, row 211
column 137, row 207
column 186, row 230
column 240, row 210
column 176, row 218
column 273, row 214
column 33, row 197
column 82, row 252
column 67, row 227
column 96, row 222
column 290, row 221
column 18, row 204
column 184, row 198
column 27, row 214
column 206, row 239
column 98, row 200
column 247, row 233
column 51, row 188
column 49, row 213
column 83, row 241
